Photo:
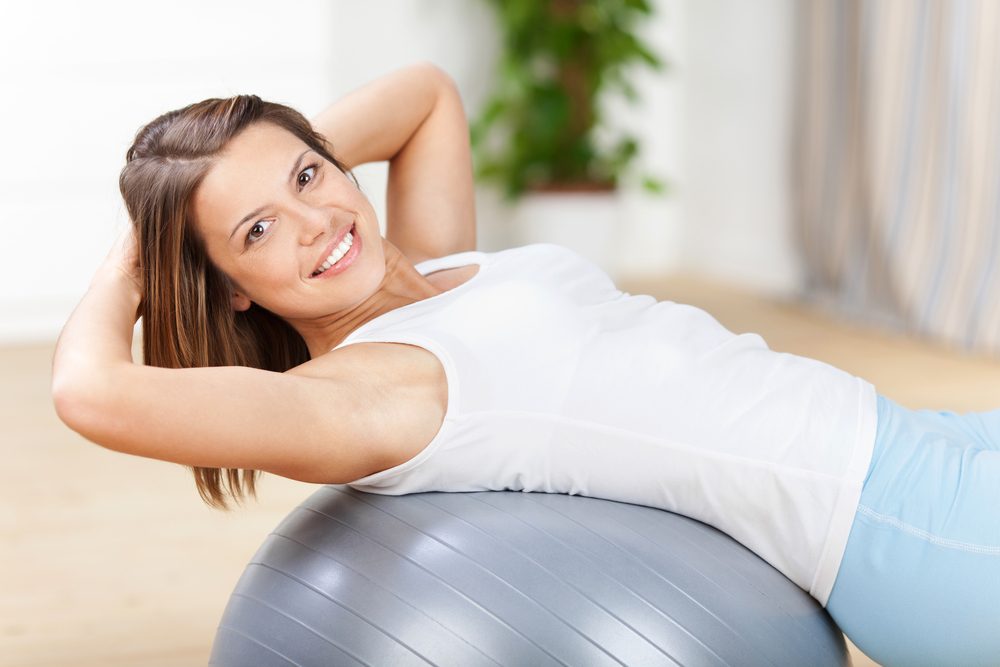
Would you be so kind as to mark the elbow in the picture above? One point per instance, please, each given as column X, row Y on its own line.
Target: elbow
column 428, row 68
column 72, row 387
column 78, row 405
column 442, row 81
column 72, row 404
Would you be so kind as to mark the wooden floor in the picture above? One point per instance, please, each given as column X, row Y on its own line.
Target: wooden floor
column 109, row 560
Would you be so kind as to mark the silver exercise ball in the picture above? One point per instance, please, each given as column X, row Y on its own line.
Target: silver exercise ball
column 511, row 578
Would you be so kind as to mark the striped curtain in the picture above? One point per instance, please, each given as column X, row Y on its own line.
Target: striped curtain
column 897, row 164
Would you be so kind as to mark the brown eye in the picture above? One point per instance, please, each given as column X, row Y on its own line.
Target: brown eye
column 306, row 176
column 257, row 230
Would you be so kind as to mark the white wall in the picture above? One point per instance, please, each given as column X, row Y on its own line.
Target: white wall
column 78, row 79
column 736, row 74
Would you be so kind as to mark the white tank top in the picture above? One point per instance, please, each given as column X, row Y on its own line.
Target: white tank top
column 558, row 382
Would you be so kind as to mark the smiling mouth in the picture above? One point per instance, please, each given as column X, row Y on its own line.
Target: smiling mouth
column 338, row 253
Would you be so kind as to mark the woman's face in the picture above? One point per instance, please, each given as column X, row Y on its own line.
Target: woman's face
column 271, row 211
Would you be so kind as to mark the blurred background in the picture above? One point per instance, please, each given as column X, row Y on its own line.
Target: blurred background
column 823, row 173
column 80, row 79
column 842, row 152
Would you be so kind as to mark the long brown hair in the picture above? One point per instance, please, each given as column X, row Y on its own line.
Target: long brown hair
column 186, row 307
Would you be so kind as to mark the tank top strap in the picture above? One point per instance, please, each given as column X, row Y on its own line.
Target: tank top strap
column 450, row 261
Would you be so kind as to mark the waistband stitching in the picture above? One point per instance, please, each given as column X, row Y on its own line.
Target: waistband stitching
column 929, row 537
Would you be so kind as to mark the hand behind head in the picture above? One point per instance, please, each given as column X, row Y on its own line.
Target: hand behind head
column 124, row 257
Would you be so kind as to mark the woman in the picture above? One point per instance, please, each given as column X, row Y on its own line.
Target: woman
column 284, row 334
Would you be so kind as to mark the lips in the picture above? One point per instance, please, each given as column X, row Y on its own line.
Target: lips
column 333, row 244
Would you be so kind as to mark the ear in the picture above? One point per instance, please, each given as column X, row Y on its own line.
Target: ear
column 240, row 302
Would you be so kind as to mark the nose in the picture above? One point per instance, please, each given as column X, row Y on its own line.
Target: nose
column 313, row 223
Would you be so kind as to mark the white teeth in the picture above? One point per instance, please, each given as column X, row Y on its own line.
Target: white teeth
column 337, row 254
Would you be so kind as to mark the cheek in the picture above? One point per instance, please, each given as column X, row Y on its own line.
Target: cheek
column 262, row 273
column 278, row 273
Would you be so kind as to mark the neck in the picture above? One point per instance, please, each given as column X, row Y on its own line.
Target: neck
column 401, row 285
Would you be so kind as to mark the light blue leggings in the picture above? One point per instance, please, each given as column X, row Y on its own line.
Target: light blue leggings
column 920, row 580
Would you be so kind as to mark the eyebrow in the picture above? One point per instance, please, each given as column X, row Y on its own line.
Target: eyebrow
column 257, row 211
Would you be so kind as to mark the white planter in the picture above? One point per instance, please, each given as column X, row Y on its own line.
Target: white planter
column 588, row 222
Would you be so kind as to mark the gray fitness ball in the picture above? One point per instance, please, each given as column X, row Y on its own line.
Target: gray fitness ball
column 511, row 578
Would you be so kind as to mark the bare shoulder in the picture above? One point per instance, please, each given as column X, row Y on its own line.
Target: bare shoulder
column 446, row 279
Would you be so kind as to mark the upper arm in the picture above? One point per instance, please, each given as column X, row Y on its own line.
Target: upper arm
column 307, row 428
column 430, row 201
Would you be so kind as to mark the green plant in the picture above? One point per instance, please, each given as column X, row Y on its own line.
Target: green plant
column 536, row 130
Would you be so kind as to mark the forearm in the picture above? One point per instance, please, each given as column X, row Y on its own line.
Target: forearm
column 96, row 340
column 374, row 122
